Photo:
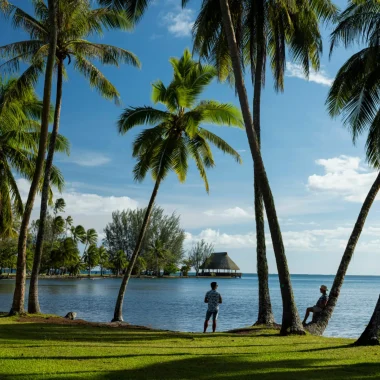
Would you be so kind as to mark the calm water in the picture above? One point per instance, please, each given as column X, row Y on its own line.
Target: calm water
column 177, row 304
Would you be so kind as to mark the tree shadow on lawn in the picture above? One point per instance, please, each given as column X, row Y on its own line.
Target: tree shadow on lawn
column 214, row 367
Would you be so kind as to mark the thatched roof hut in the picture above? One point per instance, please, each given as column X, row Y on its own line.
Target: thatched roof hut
column 220, row 261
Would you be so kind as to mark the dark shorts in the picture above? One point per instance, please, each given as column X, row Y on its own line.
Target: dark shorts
column 214, row 315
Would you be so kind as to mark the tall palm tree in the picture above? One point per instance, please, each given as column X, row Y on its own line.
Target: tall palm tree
column 30, row 77
column 176, row 135
column 76, row 21
column 19, row 135
column 355, row 95
column 263, row 29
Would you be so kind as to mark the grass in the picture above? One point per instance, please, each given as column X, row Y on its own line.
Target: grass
column 37, row 350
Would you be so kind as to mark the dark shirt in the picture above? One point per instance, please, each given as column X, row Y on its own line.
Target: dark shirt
column 322, row 300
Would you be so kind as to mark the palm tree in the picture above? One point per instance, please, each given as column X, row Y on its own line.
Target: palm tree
column 91, row 257
column 355, row 95
column 176, row 135
column 159, row 251
column 90, row 238
column 370, row 335
column 103, row 258
column 78, row 233
column 19, row 135
column 30, row 77
column 119, row 261
column 76, row 21
column 263, row 29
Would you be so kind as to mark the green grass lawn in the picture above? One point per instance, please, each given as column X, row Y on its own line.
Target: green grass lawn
column 31, row 350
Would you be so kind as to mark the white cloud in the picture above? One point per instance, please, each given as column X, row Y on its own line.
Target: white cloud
column 294, row 70
column 305, row 241
column 90, row 210
column 180, row 23
column 85, row 158
column 234, row 212
column 345, row 177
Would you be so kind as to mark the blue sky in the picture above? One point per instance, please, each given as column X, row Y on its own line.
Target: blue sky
column 318, row 178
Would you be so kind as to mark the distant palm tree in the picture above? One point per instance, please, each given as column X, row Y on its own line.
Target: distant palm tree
column 91, row 257
column 76, row 20
column 90, row 238
column 119, row 261
column 264, row 30
column 355, row 95
column 159, row 251
column 78, row 233
column 176, row 135
column 19, row 136
column 103, row 258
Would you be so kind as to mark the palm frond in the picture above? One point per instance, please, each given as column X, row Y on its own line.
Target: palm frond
column 135, row 116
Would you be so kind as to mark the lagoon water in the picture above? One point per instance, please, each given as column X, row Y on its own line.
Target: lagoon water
column 177, row 304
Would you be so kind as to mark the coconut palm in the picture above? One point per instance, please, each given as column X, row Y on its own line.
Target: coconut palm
column 30, row 77
column 119, row 261
column 76, row 20
column 19, row 134
column 103, row 258
column 252, row 30
column 176, row 134
column 263, row 28
column 91, row 257
column 78, row 233
column 160, row 253
column 90, row 238
column 355, row 95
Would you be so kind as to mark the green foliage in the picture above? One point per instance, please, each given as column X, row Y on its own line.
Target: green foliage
column 19, row 136
column 163, row 230
column 199, row 254
column 273, row 28
column 355, row 93
column 76, row 21
column 91, row 257
column 177, row 134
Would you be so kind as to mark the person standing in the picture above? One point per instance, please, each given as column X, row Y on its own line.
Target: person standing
column 213, row 299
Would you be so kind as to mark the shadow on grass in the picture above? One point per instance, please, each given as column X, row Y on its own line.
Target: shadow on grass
column 212, row 367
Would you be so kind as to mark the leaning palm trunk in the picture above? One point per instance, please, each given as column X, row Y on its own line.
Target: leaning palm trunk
column 19, row 293
column 320, row 325
column 370, row 336
column 33, row 304
column 265, row 314
column 118, row 313
column 291, row 322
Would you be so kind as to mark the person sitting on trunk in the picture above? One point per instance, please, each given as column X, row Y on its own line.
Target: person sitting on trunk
column 321, row 304
column 213, row 299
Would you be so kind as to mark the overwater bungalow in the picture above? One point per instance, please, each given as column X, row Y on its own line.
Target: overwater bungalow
column 219, row 264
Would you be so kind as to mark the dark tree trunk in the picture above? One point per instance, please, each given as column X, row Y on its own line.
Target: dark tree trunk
column 19, row 293
column 320, row 325
column 118, row 313
column 291, row 323
column 370, row 336
column 33, row 304
column 265, row 314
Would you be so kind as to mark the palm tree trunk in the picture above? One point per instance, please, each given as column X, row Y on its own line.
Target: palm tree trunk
column 370, row 336
column 89, row 271
column 291, row 323
column 118, row 313
column 33, row 304
column 265, row 314
column 320, row 325
column 19, row 293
